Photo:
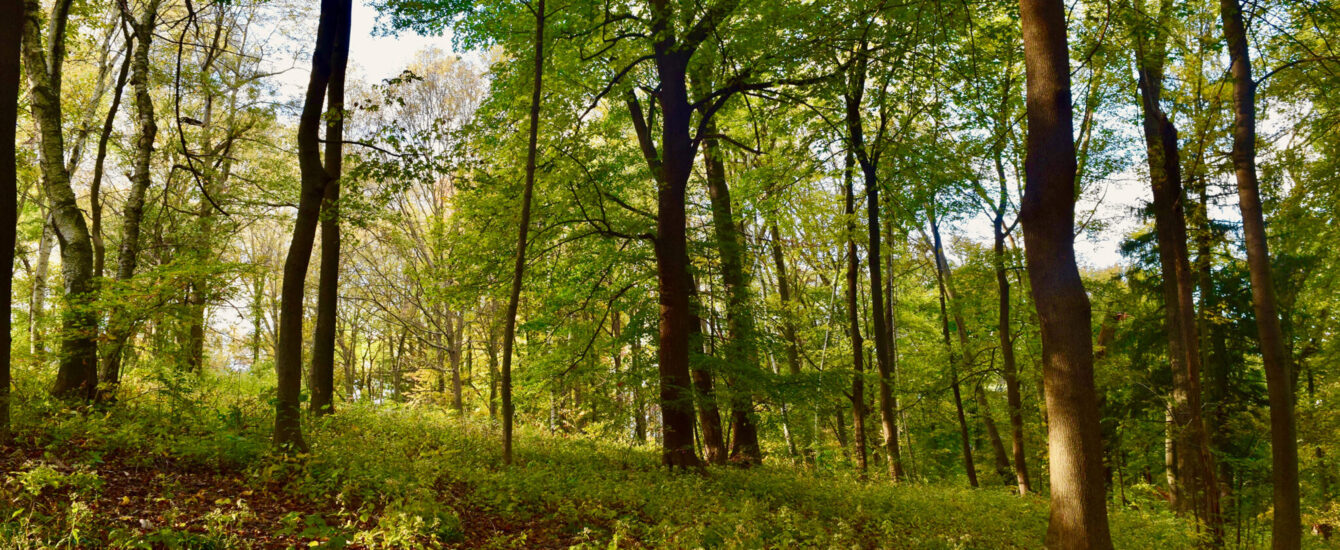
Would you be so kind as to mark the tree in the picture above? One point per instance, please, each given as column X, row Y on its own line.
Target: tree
column 78, row 372
column 1286, row 532
column 519, row 269
column 857, row 395
column 1195, row 467
column 328, row 70
column 120, row 324
column 11, row 33
column 1078, row 497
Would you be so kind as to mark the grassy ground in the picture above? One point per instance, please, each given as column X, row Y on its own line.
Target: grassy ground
column 185, row 466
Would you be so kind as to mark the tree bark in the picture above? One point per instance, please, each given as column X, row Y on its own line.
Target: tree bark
column 992, row 433
column 869, row 163
column 1286, row 532
column 741, row 351
column 77, row 375
column 121, row 321
column 509, row 328
column 37, row 303
column 11, row 33
column 95, row 188
column 942, row 280
column 789, row 308
column 709, row 417
column 1078, row 492
column 322, row 384
column 1009, row 368
column 857, row 395
column 328, row 59
column 1196, row 472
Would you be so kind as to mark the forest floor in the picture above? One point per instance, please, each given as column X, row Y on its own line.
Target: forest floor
column 182, row 466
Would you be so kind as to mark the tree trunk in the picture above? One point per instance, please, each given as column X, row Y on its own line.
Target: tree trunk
column 1010, row 369
column 78, row 372
column 95, row 188
column 1078, row 494
column 1286, row 532
column 514, row 298
column 322, row 384
column 672, row 169
column 854, row 321
column 741, row 352
column 891, row 316
column 37, row 304
column 1196, row 463
column 789, row 308
column 121, row 322
column 454, row 357
column 328, row 67
column 709, row 417
column 11, row 32
column 942, row 279
column 992, row 434
column 869, row 163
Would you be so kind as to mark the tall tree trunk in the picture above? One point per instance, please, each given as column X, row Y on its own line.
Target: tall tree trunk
column 328, row 60
column 121, row 322
column 11, row 33
column 854, row 321
column 869, row 163
column 1009, row 365
column 78, row 372
column 1286, row 532
column 1078, row 493
column 1009, row 368
column 322, row 384
column 942, row 280
column 1196, row 472
column 514, row 298
column 891, row 316
column 322, row 371
column 741, row 351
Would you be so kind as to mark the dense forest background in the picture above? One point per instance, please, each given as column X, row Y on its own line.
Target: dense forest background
column 671, row 274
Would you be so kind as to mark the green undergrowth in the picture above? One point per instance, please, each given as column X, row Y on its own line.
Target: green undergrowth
column 414, row 476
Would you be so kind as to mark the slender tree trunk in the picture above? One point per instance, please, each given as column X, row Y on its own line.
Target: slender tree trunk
column 454, row 357
column 789, row 309
column 709, row 417
column 942, row 278
column 11, row 33
column 741, row 352
column 322, row 384
column 1286, row 532
column 854, row 321
column 95, row 188
column 1010, row 369
column 328, row 61
column 992, row 433
column 1078, row 493
column 509, row 328
column 121, row 322
column 1196, row 463
column 891, row 314
column 37, row 305
column 77, row 375
column 869, row 163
